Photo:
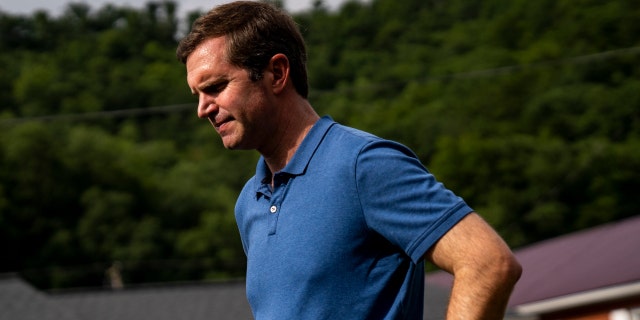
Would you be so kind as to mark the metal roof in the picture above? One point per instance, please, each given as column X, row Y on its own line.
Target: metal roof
column 597, row 263
column 581, row 265
column 194, row 301
column 596, row 258
column 18, row 300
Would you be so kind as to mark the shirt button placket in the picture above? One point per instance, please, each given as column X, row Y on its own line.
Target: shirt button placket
column 273, row 218
column 281, row 186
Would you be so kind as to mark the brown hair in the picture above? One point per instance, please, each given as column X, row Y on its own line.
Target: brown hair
column 255, row 32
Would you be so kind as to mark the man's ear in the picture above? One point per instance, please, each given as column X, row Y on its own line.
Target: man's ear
column 279, row 67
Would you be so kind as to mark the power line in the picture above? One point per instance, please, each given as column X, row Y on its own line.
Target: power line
column 492, row 72
column 122, row 113
column 498, row 71
column 543, row 64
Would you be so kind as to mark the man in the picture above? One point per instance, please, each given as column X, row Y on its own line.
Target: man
column 336, row 223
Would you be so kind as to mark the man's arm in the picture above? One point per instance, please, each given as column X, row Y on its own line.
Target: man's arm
column 483, row 267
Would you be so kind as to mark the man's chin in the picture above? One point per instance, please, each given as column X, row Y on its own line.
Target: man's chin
column 233, row 145
column 229, row 146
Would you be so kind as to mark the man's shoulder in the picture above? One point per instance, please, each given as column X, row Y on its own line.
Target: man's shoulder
column 339, row 128
column 362, row 141
column 350, row 137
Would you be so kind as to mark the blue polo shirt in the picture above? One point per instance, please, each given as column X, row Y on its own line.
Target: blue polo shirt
column 343, row 231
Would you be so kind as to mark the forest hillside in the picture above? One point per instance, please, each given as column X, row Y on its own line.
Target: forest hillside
column 530, row 110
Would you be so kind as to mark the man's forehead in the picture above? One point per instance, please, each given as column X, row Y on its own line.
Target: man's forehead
column 207, row 55
column 212, row 48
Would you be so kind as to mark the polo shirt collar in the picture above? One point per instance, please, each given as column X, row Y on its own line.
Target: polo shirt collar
column 298, row 164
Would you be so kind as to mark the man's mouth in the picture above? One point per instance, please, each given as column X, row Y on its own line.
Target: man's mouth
column 219, row 124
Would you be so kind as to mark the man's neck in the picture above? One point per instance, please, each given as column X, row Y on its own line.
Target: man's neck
column 294, row 130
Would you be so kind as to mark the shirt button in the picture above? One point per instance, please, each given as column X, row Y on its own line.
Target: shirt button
column 273, row 209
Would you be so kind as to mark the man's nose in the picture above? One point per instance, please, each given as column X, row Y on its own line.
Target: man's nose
column 206, row 107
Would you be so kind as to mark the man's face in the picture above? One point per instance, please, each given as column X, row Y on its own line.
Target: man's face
column 236, row 107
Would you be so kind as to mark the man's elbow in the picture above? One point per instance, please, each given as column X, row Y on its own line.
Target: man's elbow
column 508, row 269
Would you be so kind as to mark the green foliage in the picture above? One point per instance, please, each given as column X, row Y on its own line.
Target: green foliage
column 521, row 107
column 529, row 110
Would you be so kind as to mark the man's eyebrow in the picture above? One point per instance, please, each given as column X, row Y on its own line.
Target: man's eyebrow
column 212, row 81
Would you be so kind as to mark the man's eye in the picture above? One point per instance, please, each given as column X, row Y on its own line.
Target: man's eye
column 215, row 88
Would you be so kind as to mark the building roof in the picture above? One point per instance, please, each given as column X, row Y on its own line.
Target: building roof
column 598, row 263
column 596, row 258
column 602, row 261
column 436, row 300
column 205, row 300
column 18, row 300
column 194, row 301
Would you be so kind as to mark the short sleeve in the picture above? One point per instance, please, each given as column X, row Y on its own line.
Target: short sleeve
column 402, row 201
